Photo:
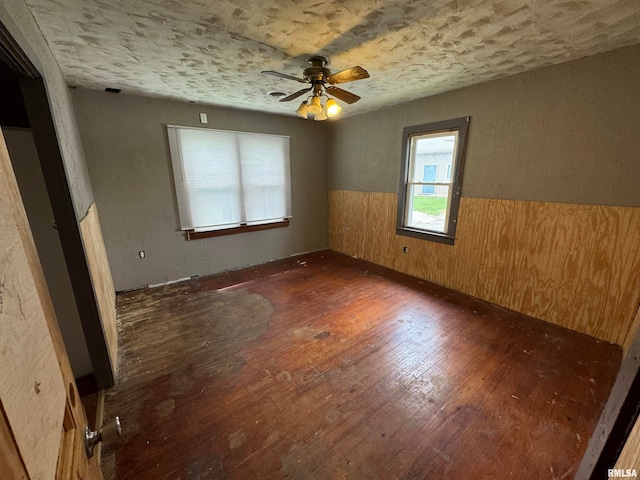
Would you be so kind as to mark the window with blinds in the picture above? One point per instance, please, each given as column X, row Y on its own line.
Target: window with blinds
column 228, row 179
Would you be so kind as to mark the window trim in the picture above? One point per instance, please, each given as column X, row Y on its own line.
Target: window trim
column 461, row 125
column 242, row 228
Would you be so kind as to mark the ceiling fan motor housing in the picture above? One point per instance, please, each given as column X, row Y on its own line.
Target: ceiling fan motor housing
column 317, row 72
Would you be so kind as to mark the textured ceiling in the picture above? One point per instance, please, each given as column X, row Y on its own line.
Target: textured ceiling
column 212, row 52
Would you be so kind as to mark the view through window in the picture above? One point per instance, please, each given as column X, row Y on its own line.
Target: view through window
column 432, row 157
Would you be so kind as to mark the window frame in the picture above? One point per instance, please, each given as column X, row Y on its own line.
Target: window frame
column 460, row 125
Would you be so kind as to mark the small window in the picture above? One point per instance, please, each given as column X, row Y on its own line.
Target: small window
column 229, row 182
column 430, row 180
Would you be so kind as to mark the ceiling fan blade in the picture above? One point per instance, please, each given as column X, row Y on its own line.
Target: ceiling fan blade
column 295, row 95
column 343, row 95
column 348, row 75
column 283, row 75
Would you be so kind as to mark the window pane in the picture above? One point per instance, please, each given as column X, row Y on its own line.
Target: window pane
column 206, row 177
column 429, row 175
column 265, row 177
column 262, row 160
column 222, row 207
column 428, row 212
column 434, row 152
column 265, row 203
column 209, row 159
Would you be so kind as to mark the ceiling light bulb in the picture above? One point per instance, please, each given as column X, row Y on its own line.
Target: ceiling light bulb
column 303, row 110
column 315, row 107
column 320, row 116
column 333, row 108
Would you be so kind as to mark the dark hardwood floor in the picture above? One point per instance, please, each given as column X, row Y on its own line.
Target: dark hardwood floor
column 327, row 367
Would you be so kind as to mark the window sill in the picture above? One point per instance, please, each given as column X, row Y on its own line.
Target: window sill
column 193, row 235
column 424, row 235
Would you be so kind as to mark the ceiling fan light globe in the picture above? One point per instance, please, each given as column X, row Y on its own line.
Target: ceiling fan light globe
column 315, row 107
column 303, row 110
column 320, row 116
column 333, row 108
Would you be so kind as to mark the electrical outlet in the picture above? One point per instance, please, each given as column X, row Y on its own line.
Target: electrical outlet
column 346, row 229
column 203, row 118
column 141, row 253
column 405, row 249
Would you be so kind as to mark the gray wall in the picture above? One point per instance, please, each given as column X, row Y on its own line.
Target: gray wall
column 127, row 151
column 33, row 190
column 567, row 133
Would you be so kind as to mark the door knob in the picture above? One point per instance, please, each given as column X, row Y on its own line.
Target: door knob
column 108, row 432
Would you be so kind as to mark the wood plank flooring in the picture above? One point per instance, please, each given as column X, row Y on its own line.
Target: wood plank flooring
column 323, row 366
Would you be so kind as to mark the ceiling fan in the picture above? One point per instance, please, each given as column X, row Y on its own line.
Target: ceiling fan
column 318, row 75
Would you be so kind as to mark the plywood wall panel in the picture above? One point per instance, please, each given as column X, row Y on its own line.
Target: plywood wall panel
column 525, row 257
column 101, row 279
column 380, row 228
column 572, row 265
column 348, row 220
column 452, row 266
column 467, row 255
column 406, row 263
column 548, row 246
column 435, row 264
column 530, row 262
column 498, row 250
column 588, row 296
column 623, row 247
column 336, row 238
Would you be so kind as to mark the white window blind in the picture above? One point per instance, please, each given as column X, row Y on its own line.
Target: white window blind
column 226, row 179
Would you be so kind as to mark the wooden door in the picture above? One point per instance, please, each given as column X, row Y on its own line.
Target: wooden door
column 41, row 416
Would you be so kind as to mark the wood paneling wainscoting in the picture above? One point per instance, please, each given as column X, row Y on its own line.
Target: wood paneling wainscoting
column 101, row 278
column 572, row 265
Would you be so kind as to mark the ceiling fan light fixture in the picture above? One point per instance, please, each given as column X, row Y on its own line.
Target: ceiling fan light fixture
column 333, row 108
column 320, row 116
column 321, row 82
column 303, row 110
column 315, row 107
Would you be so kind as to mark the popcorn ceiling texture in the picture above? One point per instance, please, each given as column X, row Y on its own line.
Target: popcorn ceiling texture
column 211, row 51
